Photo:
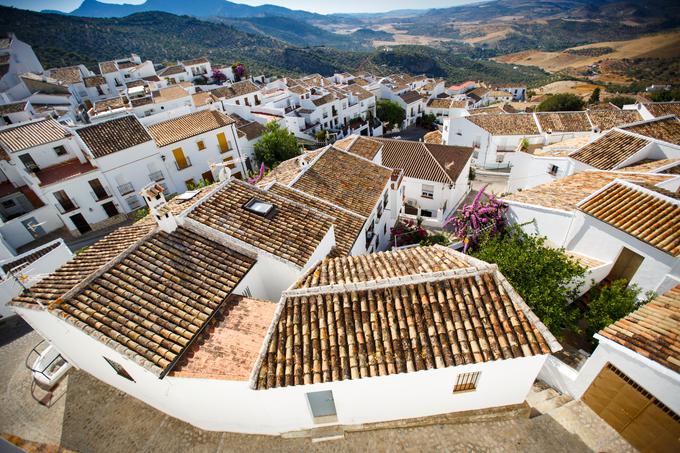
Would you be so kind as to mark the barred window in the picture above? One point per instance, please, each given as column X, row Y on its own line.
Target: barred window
column 466, row 382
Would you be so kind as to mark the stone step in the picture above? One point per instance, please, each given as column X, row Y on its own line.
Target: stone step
column 536, row 397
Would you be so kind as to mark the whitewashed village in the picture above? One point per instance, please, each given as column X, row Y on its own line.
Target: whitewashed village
column 156, row 235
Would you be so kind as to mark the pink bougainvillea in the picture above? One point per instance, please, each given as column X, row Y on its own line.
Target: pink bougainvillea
column 256, row 178
column 472, row 220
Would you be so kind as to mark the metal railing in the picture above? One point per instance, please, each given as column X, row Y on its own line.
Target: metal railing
column 126, row 188
column 156, row 176
column 187, row 164
column 100, row 195
column 66, row 207
column 134, row 202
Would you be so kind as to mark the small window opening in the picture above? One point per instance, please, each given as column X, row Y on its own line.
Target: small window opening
column 466, row 382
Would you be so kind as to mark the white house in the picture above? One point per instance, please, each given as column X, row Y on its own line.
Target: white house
column 174, row 74
column 634, row 242
column 195, row 363
column 16, row 58
column 632, row 380
column 189, row 143
column 444, row 108
column 435, row 177
column 198, row 67
column 518, row 92
column 16, row 112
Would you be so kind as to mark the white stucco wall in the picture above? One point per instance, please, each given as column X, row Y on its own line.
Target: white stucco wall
column 552, row 223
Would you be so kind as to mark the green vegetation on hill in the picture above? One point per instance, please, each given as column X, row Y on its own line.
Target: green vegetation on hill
column 61, row 40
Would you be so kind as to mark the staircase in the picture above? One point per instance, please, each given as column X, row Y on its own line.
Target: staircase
column 544, row 399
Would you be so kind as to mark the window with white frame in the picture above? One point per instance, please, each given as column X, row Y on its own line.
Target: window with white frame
column 466, row 382
column 427, row 191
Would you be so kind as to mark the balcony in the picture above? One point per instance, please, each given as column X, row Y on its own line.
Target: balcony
column 66, row 206
column 156, row 176
column 183, row 165
column 126, row 188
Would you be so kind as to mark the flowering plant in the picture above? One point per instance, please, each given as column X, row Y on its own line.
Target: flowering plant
column 472, row 220
column 219, row 76
column 257, row 177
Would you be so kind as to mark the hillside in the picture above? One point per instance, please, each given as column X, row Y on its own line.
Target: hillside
column 64, row 40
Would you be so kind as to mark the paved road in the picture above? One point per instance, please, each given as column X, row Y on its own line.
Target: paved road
column 93, row 417
column 413, row 133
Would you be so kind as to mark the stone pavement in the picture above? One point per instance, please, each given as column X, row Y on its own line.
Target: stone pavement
column 93, row 417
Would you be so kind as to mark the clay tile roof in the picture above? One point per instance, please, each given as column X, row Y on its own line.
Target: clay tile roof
column 24, row 260
column 107, row 67
column 420, row 321
column 345, row 180
column 564, row 194
column 330, row 97
column 652, row 330
column 29, row 135
column 286, row 171
column 186, row 126
column 68, row 75
column 171, row 70
column 664, row 108
column 94, row 81
column 666, row 129
column 506, row 123
column 241, row 88
column 169, row 94
column 195, row 61
column 651, row 166
column 347, row 227
column 151, row 303
column 293, row 232
column 610, row 150
column 608, row 119
column 430, row 162
column 564, row 121
column 115, row 135
column 361, row 146
column 228, row 348
column 252, row 130
column 14, row 107
column 203, row 98
column 119, row 102
column 63, row 171
column 410, row 96
column 82, row 265
column 446, row 103
column 645, row 214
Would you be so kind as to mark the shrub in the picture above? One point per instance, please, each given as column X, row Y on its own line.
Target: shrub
column 564, row 102
column 620, row 101
column 390, row 112
column 276, row 145
column 609, row 303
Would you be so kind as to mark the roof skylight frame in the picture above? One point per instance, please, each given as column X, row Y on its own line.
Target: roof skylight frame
column 260, row 207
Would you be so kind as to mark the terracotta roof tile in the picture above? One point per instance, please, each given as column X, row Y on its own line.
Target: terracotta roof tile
column 334, row 333
column 664, row 108
column 94, row 81
column 287, row 171
column 410, row 97
column 169, row 93
column 564, row 121
column 14, row 107
column 34, row 133
column 506, row 124
column 610, row 150
column 195, row 61
column 237, row 89
column 361, row 146
column 68, row 75
column 347, row 226
column 186, row 126
column 25, row 260
column 652, row 331
column 119, row 102
column 434, row 137
column 159, row 296
column 115, row 135
column 345, row 180
column 107, row 67
column 293, row 233
column 171, row 70
column 643, row 213
column 666, row 129
column 63, row 171
column 608, row 119
column 565, row 193
column 651, row 165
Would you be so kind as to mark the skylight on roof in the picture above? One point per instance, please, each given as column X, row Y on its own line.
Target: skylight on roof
column 259, row 207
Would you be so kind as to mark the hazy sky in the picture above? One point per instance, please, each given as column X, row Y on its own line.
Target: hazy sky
column 319, row 6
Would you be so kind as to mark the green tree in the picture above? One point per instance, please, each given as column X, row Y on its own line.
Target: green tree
column 545, row 277
column 564, row 102
column 620, row 101
column 390, row 112
column 609, row 303
column 276, row 145
column 427, row 121
column 665, row 96
column 595, row 96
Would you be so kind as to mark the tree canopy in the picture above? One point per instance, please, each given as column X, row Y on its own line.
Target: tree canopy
column 390, row 112
column 620, row 101
column 563, row 102
column 276, row 145
column 609, row 303
column 595, row 96
column 545, row 277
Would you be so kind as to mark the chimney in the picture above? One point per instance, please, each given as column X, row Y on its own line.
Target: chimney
column 153, row 195
column 302, row 162
column 224, row 173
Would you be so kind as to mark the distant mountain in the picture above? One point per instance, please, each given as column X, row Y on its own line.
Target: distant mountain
column 61, row 40
column 197, row 8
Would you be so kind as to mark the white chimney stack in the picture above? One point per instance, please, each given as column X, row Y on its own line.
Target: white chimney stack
column 153, row 195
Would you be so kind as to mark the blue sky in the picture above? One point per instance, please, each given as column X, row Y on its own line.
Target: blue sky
column 319, row 6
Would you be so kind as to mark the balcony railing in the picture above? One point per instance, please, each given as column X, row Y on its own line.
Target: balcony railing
column 156, row 176
column 186, row 164
column 100, row 194
column 66, row 206
column 126, row 188
column 134, row 202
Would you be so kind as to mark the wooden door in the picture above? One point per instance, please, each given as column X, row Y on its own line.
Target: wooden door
column 633, row 412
